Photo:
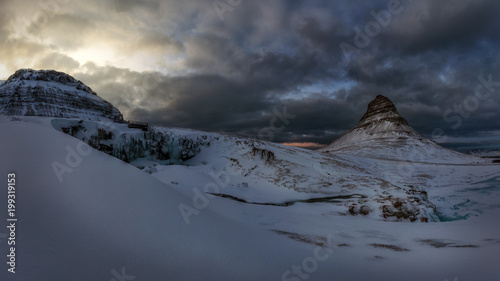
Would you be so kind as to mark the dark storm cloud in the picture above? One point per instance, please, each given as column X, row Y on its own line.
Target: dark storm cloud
column 427, row 62
column 437, row 25
column 224, row 109
column 231, row 72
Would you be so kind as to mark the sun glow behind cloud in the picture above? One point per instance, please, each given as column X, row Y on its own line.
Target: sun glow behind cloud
column 99, row 55
column 4, row 73
column 104, row 56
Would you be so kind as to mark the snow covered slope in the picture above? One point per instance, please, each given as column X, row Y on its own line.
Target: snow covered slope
column 107, row 215
column 53, row 94
column 382, row 133
column 264, row 173
column 107, row 219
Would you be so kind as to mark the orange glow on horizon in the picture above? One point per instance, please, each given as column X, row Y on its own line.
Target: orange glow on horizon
column 304, row 144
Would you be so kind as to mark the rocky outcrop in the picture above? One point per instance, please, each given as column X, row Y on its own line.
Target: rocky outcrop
column 53, row 94
column 382, row 110
column 117, row 140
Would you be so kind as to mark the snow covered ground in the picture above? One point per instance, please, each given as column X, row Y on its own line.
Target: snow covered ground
column 242, row 210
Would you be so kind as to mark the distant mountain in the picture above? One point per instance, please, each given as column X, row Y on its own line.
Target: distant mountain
column 384, row 134
column 53, row 94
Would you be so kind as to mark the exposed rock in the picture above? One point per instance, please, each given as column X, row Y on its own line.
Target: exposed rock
column 381, row 110
column 390, row 247
column 129, row 145
column 266, row 155
column 53, row 94
column 444, row 243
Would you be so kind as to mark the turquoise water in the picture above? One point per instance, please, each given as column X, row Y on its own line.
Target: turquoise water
column 473, row 200
column 486, row 187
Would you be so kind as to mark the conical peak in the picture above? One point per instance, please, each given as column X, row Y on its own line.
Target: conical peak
column 382, row 133
column 381, row 101
column 381, row 109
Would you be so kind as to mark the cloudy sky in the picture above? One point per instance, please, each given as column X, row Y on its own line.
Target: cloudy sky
column 286, row 71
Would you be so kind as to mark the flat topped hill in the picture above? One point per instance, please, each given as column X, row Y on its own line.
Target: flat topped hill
column 53, row 94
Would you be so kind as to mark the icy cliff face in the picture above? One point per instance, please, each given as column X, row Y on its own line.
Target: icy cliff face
column 384, row 134
column 53, row 94
column 134, row 145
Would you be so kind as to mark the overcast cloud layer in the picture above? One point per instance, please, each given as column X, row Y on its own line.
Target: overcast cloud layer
column 230, row 65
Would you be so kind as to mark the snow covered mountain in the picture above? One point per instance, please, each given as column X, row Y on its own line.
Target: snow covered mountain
column 191, row 205
column 53, row 94
column 384, row 134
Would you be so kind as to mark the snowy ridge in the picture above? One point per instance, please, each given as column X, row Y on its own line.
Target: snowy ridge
column 383, row 134
column 267, row 173
column 52, row 94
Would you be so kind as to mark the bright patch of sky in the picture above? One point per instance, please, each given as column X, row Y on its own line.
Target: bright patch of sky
column 4, row 73
column 447, row 75
column 325, row 88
